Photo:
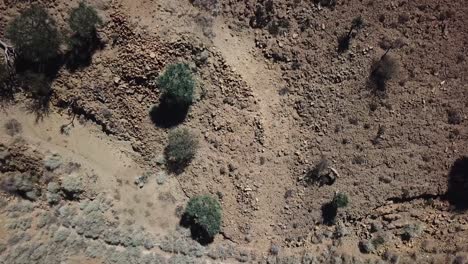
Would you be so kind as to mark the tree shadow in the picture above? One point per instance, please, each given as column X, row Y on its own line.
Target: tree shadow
column 457, row 190
column 167, row 115
column 40, row 107
column 198, row 233
column 82, row 50
column 329, row 213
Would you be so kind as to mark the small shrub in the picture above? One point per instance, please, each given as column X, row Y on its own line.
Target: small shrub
column 278, row 27
column 177, row 85
column 204, row 214
column 13, row 127
column 454, row 117
column 382, row 71
column 34, row 35
column 340, row 200
column 83, row 22
column 181, row 148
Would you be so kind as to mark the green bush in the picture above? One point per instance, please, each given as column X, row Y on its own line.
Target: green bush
column 34, row 35
column 205, row 212
column 83, row 22
column 181, row 148
column 177, row 85
column 340, row 200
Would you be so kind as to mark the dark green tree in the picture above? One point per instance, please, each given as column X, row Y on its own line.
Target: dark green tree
column 205, row 213
column 181, row 148
column 34, row 35
column 83, row 22
column 177, row 85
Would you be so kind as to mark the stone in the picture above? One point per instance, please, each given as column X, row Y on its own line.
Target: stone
column 274, row 249
column 161, row 177
column 141, row 180
column 52, row 162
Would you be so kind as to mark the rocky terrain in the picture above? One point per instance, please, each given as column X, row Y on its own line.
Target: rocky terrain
column 285, row 121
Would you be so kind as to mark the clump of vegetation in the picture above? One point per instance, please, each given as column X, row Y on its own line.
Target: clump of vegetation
column 457, row 191
column 330, row 209
column 34, row 35
column 83, row 22
column 340, row 200
column 382, row 71
column 204, row 215
column 23, row 185
column 345, row 39
column 13, row 127
column 278, row 27
column 177, row 85
column 454, row 117
column 181, row 149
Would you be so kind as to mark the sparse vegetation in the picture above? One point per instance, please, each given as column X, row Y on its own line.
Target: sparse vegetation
column 13, row 127
column 34, row 35
column 340, row 200
column 177, row 85
column 345, row 39
column 181, row 148
column 83, row 22
column 454, row 117
column 204, row 216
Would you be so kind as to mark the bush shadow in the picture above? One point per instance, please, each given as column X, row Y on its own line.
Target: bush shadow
column 167, row 115
column 198, row 233
column 329, row 213
column 343, row 43
column 457, row 190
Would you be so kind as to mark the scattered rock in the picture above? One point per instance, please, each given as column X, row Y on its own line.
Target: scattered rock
column 161, row 178
column 141, row 180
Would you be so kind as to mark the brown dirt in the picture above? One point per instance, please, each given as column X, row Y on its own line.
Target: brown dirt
column 270, row 107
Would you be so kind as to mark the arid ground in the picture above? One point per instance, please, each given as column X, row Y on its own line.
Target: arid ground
column 275, row 97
